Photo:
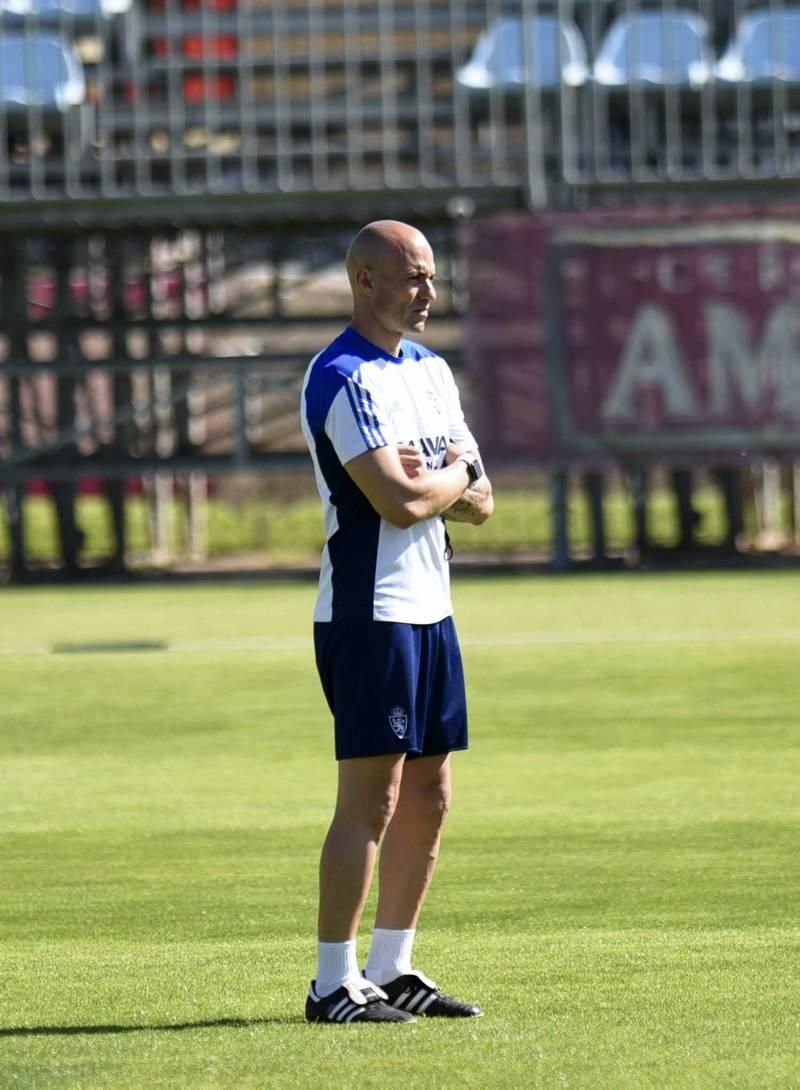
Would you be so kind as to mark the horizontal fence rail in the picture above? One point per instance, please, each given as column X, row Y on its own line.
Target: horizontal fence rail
column 116, row 99
column 121, row 355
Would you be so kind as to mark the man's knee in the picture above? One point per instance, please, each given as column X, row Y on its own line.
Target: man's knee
column 367, row 798
column 430, row 799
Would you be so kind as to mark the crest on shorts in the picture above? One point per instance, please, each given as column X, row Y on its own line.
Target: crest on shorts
column 398, row 721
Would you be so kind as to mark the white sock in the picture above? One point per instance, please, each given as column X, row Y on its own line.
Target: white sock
column 337, row 964
column 389, row 955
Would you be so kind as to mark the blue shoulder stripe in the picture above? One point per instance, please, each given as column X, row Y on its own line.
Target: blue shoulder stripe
column 364, row 410
column 354, row 397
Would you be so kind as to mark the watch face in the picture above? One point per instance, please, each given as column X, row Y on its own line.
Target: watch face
column 475, row 470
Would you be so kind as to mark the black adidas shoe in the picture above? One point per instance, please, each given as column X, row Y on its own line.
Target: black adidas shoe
column 414, row 992
column 352, row 1004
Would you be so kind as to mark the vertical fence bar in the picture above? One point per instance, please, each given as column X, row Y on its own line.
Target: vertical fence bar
column 5, row 132
column 424, row 93
column 248, row 130
column 463, row 164
column 13, row 286
column 320, row 174
column 63, row 490
column 283, row 112
column 533, row 113
column 497, row 130
column 59, row 126
column 708, row 161
column 36, row 134
column 601, row 163
column 779, row 101
column 389, row 103
column 743, row 131
column 108, row 82
column 569, row 98
column 636, row 96
column 559, row 514
column 176, row 110
column 210, row 83
column 638, row 484
column 241, row 443
column 121, row 388
column 354, row 100
column 594, row 487
column 673, row 91
column 140, row 111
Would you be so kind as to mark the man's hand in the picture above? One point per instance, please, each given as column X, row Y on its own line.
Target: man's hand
column 474, row 505
column 476, row 502
column 411, row 460
column 400, row 488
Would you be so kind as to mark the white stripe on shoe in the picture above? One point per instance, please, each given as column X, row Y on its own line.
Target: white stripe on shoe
column 414, row 1000
column 339, row 1006
column 426, row 1003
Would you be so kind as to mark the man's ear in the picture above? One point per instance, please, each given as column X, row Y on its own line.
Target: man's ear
column 364, row 280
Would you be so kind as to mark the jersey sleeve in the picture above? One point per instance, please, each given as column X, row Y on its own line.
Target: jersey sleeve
column 357, row 421
column 458, row 431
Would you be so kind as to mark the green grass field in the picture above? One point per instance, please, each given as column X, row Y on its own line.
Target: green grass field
column 287, row 531
column 618, row 886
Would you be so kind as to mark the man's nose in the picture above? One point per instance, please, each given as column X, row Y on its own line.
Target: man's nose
column 428, row 290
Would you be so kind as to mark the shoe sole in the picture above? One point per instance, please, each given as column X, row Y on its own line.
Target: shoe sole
column 360, row 1022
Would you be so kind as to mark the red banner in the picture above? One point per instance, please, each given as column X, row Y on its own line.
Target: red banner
column 597, row 336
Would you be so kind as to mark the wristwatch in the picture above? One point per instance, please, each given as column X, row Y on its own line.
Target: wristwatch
column 473, row 464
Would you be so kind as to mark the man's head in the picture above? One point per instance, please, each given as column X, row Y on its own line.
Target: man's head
column 391, row 270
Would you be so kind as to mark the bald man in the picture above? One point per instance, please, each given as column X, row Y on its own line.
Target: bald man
column 393, row 457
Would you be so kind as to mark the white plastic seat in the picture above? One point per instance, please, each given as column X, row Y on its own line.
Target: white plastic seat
column 555, row 56
column 40, row 71
column 61, row 13
column 657, row 49
column 765, row 49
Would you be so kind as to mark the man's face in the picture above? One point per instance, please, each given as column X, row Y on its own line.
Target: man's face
column 402, row 287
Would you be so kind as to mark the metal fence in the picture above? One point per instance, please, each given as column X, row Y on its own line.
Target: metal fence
column 125, row 354
column 176, row 98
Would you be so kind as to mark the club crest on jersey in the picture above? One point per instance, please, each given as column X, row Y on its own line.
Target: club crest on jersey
column 398, row 721
column 434, row 400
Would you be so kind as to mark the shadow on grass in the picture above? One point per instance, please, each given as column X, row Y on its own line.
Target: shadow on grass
column 216, row 1023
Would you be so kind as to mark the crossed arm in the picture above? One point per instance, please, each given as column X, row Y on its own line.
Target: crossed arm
column 476, row 502
column 402, row 491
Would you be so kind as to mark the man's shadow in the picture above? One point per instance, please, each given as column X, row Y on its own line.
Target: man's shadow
column 171, row 1027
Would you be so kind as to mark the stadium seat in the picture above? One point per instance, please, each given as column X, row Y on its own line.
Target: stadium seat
column 766, row 48
column 655, row 48
column 77, row 15
column 758, row 82
column 541, row 52
column 556, row 56
column 42, row 78
column 200, row 85
column 115, row 22
column 648, row 75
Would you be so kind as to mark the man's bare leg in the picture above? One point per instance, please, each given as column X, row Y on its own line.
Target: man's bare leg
column 366, row 800
column 368, row 791
column 411, row 844
column 408, row 859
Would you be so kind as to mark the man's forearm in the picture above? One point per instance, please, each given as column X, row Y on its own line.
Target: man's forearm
column 474, row 505
column 435, row 491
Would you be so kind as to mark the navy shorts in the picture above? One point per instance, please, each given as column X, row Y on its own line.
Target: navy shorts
column 392, row 687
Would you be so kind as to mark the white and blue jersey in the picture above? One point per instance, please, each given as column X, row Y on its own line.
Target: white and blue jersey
column 358, row 397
